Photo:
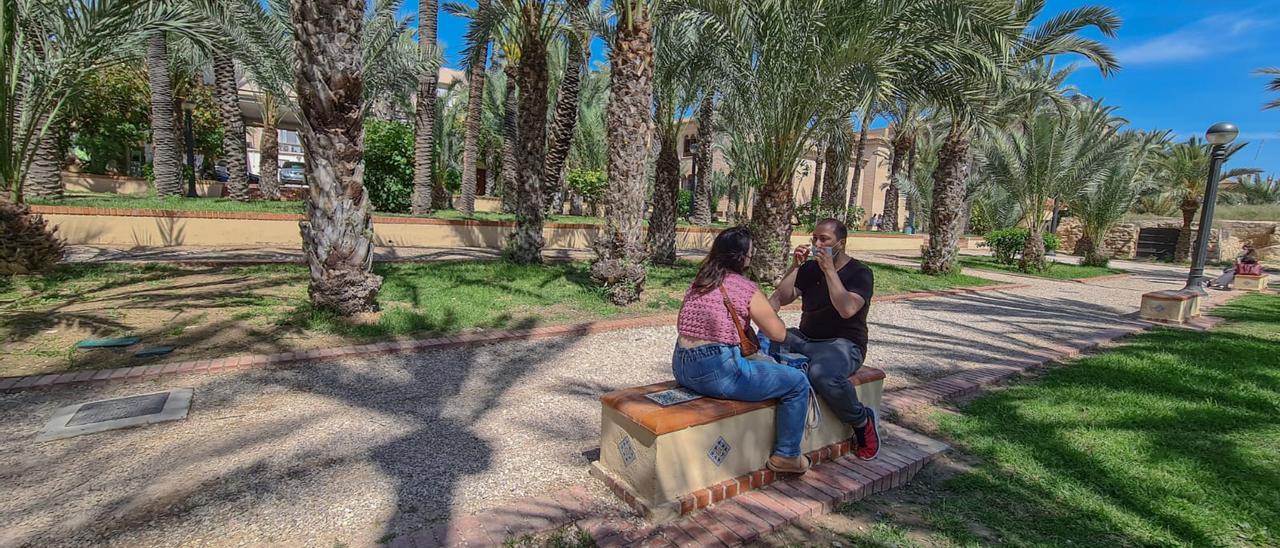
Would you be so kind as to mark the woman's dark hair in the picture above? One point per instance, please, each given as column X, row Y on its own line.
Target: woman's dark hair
column 728, row 254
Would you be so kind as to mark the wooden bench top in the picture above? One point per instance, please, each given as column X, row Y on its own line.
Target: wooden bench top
column 659, row 420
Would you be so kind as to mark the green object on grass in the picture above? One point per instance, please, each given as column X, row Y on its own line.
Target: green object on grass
column 107, row 343
column 153, row 351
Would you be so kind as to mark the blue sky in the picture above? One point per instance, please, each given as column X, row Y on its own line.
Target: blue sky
column 1185, row 65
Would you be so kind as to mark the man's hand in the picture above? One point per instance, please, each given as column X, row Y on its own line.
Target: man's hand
column 825, row 260
column 799, row 255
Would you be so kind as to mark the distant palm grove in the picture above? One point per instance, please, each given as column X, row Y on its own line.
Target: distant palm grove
column 984, row 133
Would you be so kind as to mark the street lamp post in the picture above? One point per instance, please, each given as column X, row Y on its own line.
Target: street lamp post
column 1218, row 135
column 187, row 108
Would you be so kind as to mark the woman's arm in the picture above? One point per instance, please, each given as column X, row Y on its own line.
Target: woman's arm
column 766, row 317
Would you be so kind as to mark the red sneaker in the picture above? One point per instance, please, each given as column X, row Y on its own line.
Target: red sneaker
column 868, row 437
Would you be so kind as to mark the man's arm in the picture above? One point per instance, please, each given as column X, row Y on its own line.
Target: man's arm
column 846, row 303
column 786, row 292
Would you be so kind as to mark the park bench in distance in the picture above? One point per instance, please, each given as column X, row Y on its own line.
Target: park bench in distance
column 669, row 461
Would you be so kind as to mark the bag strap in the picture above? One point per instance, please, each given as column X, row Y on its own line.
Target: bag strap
column 733, row 314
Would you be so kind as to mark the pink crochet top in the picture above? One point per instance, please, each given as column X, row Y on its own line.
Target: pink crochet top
column 704, row 317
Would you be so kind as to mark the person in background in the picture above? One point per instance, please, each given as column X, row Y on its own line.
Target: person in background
column 836, row 292
column 714, row 326
column 1246, row 263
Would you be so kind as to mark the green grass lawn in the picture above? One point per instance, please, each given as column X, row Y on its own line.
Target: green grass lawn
column 125, row 201
column 1056, row 271
column 217, row 311
column 1170, row 440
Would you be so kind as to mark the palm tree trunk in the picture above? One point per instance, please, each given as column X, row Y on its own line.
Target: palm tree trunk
column 702, row 193
column 337, row 234
column 269, row 159
column 1033, row 252
column 860, row 152
column 911, row 201
column 228, row 99
column 945, row 219
column 819, row 172
column 425, row 194
column 525, row 246
column 902, row 143
column 1182, row 251
column 666, row 191
column 835, row 180
column 629, row 124
column 475, row 110
column 43, row 179
column 166, row 164
column 510, row 143
column 566, row 111
column 771, row 227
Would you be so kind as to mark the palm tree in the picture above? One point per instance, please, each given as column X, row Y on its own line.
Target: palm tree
column 784, row 65
column 703, row 205
column 426, row 189
column 1046, row 156
column 337, row 235
column 1273, row 86
column 1182, row 171
column 233, row 144
column 566, row 110
column 1253, row 189
column 269, row 148
column 835, row 178
column 859, row 159
column 620, row 255
column 166, row 164
column 1123, row 177
column 972, row 96
column 475, row 102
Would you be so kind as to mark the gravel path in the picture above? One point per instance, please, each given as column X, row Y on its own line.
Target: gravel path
column 354, row 451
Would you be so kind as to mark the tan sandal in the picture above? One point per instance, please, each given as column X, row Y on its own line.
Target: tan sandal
column 786, row 468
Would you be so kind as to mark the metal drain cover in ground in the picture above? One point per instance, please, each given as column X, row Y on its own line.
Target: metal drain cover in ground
column 103, row 415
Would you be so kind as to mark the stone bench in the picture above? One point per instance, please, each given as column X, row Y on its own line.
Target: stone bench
column 1170, row 306
column 668, row 461
column 1249, row 282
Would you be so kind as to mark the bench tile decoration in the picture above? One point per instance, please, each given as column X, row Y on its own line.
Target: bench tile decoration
column 625, row 450
column 719, row 451
column 667, row 398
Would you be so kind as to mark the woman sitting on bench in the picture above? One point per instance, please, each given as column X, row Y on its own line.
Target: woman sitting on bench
column 715, row 334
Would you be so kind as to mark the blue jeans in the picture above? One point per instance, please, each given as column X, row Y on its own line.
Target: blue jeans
column 831, row 361
column 720, row 371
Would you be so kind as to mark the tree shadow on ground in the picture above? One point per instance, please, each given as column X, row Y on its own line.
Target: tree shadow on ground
column 421, row 441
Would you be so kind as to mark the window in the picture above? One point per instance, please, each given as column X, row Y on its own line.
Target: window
column 289, row 141
column 690, row 145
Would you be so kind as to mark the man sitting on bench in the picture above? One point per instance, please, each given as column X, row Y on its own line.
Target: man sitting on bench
column 836, row 291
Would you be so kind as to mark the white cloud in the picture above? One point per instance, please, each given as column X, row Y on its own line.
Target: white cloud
column 1210, row 36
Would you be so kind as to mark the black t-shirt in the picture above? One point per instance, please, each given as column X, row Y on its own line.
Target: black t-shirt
column 819, row 318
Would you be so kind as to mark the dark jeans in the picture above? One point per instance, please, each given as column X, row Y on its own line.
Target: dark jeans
column 831, row 361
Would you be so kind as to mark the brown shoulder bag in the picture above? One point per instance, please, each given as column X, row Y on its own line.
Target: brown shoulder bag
column 749, row 343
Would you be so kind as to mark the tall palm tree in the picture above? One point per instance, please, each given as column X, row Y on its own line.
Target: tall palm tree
column 565, row 115
column 1123, row 177
column 427, row 191
column 972, row 95
column 227, row 95
column 166, row 164
column 269, row 148
column 475, row 66
column 703, row 205
column 1273, row 86
column 1182, row 171
column 337, row 235
column 859, row 161
column 835, row 180
column 43, row 179
column 620, row 254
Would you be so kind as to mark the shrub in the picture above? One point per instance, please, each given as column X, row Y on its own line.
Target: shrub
column 1007, row 243
column 807, row 215
column 590, row 184
column 388, row 165
column 684, row 203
